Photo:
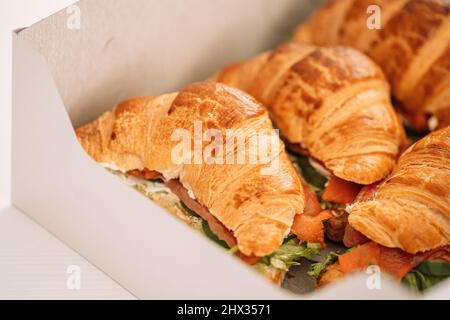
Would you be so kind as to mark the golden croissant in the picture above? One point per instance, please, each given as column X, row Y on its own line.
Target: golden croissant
column 411, row 209
column 411, row 44
column 257, row 209
column 332, row 101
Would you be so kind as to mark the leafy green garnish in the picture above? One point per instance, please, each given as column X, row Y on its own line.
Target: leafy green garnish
column 207, row 231
column 188, row 210
column 261, row 267
column 233, row 250
column 414, row 135
column 438, row 268
column 289, row 252
column 318, row 267
column 325, row 205
column 427, row 274
column 205, row 226
column 418, row 282
column 289, row 238
column 310, row 174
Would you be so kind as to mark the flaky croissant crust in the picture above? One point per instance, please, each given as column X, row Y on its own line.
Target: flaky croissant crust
column 258, row 209
column 333, row 100
column 411, row 210
column 412, row 46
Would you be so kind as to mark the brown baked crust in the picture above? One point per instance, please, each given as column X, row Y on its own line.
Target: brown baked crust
column 411, row 209
column 412, row 47
column 333, row 100
column 259, row 209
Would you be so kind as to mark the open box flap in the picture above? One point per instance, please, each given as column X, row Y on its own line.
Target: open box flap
column 149, row 47
column 130, row 238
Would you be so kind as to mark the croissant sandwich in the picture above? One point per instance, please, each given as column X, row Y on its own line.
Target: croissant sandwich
column 410, row 41
column 333, row 102
column 404, row 220
column 236, row 204
column 332, row 105
column 210, row 155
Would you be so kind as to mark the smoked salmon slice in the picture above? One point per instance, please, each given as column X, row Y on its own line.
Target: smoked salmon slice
column 310, row 228
column 393, row 261
column 340, row 191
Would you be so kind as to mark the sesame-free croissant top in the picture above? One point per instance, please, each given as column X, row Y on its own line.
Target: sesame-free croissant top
column 257, row 207
column 332, row 101
column 411, row 43
column 411, row 209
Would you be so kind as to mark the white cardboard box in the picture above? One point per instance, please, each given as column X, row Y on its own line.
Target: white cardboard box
column 64, row 77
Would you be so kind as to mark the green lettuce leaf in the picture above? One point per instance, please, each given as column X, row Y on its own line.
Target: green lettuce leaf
column 188, row 210
column 437, row 268
column 205, row 226
column 326, row 205
column 426, row 275
column 419, row 282
column 207, row 231
column 414, row 135
column 289, row 253
column 283, row 258
column 318, row 267
column 310, row 174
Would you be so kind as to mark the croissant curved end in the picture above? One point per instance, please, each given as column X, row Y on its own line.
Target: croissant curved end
column 362, row 170
column 397, row 224
column 261, row 238
column 258, row 208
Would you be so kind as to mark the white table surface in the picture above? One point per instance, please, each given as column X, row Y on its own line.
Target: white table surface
column 33, row 263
